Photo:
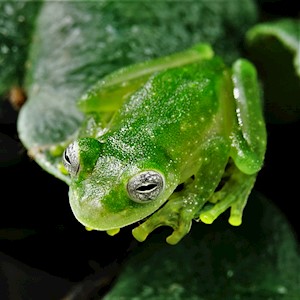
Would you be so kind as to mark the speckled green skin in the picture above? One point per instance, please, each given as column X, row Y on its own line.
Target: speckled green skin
column 189, row 120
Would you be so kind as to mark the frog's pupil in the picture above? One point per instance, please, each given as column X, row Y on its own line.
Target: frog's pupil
column 67, row 159
column 147, row 188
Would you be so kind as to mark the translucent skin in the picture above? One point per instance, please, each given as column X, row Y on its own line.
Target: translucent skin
column 187, row 117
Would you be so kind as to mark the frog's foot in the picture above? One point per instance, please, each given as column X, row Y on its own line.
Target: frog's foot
column 176, row 214
column 233, row 195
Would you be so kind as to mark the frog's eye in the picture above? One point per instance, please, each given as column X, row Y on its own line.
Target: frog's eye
column 71, row 158
column 145, row 186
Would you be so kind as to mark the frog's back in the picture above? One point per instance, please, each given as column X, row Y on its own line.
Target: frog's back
column 175, row 107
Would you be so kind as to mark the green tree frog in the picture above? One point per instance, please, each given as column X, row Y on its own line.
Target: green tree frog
column 167, row 141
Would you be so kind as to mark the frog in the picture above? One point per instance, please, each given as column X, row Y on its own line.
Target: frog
column 167, row 142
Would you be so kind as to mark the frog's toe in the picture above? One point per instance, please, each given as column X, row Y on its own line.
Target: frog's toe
column 140, row 233
column 236, row 204
column 235, row 220
column 178, row 233
column 208, row 216
column 234, row 195
column 172, row 215
column 158, row 219
column 236, row 213
column 113, row 232
column 181, row 228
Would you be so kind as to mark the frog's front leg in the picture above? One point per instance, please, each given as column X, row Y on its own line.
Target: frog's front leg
column 177, row 213
column 185, row 205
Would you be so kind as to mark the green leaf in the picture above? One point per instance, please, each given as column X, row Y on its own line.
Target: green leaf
column 259, row 260
column 275, row 49
column 77, row 43
column 17, row 20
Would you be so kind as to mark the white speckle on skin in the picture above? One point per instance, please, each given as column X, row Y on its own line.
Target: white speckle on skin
column 238, row 113
column 236, row 93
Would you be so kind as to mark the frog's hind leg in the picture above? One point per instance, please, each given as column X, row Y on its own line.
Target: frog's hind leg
column 233, row 194
column 248, row 141
column 249, row 132
column 110, row 92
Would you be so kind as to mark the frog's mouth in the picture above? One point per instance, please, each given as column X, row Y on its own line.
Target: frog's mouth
column 94, row 214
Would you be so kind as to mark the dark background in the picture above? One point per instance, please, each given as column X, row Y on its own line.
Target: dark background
column 43, row 245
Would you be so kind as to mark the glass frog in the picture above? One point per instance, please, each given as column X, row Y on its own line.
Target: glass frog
column 166, row 142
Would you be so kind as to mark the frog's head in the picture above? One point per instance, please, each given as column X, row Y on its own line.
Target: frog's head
column 108, row 191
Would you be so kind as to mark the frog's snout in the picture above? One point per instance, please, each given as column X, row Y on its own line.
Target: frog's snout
column 90, row 211
column 108, row 212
